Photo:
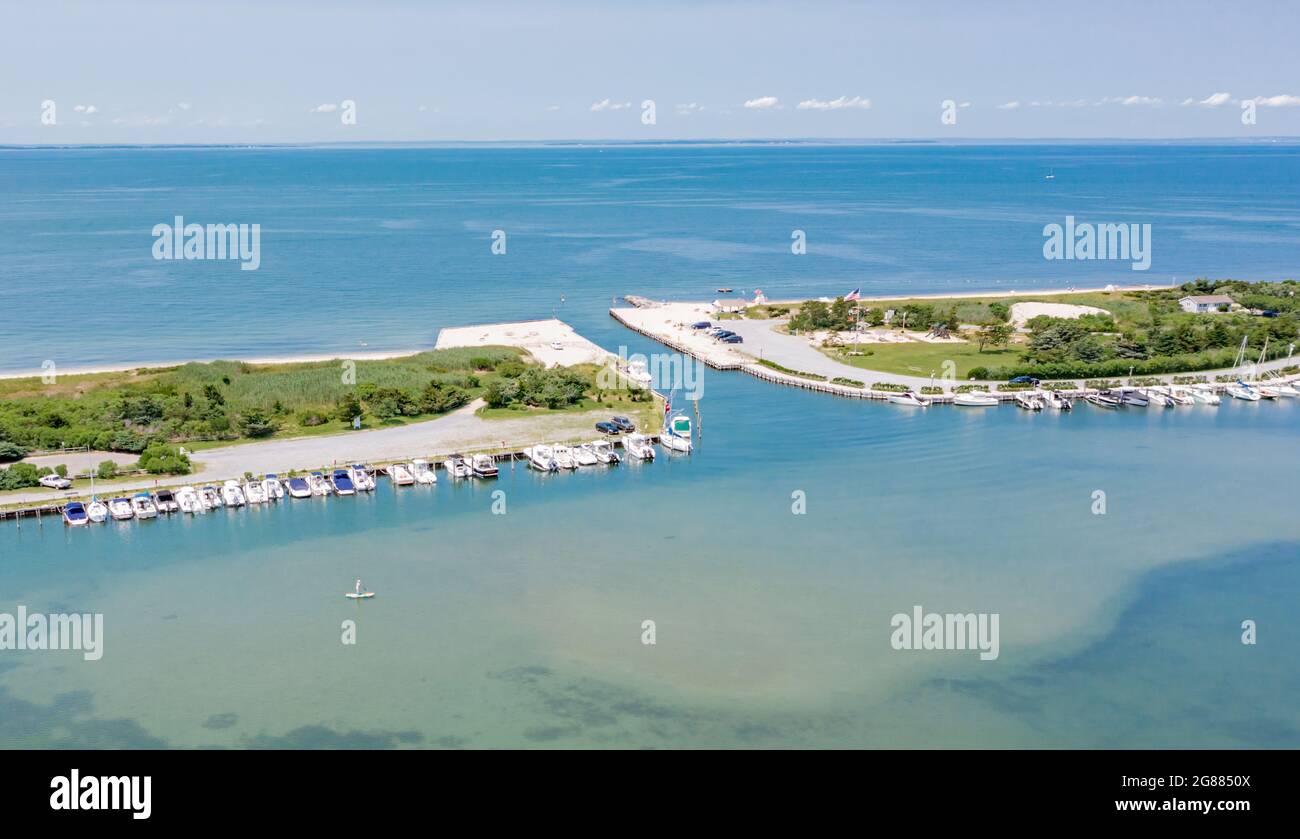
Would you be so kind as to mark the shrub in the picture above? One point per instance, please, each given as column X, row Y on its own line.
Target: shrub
column 162, row 459
column 10, row 451
column 106, row 469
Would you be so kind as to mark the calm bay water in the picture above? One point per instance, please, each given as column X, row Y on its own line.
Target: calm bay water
column 772, row 628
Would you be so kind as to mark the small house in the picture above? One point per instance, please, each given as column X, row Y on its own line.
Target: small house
column 1206, row 303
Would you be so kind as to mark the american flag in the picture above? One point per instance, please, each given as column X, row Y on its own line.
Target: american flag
column 855, row 294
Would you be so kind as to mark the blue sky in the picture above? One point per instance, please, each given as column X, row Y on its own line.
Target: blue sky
column 183, row 71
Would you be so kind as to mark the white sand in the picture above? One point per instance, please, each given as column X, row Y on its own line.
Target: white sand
column 535, row 336
column 1022, row 313
column 673, row 320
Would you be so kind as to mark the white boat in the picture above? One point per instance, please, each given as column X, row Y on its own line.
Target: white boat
column 564, row 457
column 97, row 511
column 1105, row 399
column 1134, row 397
column 604, row 451
column 400, row 475
column 255, row 492
column 232, row 495
column 362, row 479
column 210, row 498
column 74, row 514
column 1266, row 391
column 1029, row 401
column 636, row 372
column 541, row 459
column 423, row 472
column 1243, row 391
column 458, row 467
column 484, row 466
column 677, row 433
column 274, row 489
column 143, row 507
column 1178, row 395
column 1057, row 401
column 585, row 456
column 120, row 509
column 974, row 399
column 187, row 499
column 909, row 398
column 1283, row 389
column 298, row 487
column 319, row 484
column 1203, row 394
column 639, row 447
column 341, row 481
column 1159, row 398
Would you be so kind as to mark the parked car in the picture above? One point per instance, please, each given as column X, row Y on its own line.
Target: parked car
column 704, row 324
column 1024, row 380
column 607, row 428
column 623, row 423
column 732, row 339
column 55, row 481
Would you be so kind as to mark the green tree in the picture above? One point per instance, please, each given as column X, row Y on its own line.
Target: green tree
column 993, row 335
column 106, row 469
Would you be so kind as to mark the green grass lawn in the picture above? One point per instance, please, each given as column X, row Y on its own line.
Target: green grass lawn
column 921, row 359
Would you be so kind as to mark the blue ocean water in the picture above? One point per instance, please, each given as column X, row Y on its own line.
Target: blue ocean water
column 772, row 628
column 387, row 245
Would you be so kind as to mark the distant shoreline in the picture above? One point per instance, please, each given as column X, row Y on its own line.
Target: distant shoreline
column 371, row 355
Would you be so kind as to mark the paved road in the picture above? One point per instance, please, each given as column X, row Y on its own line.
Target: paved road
column 794, row 352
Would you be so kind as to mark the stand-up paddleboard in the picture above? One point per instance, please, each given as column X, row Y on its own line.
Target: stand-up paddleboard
column 362, row 596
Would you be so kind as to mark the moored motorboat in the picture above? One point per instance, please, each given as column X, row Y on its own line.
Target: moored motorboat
column 165, row 501
column 120, row 509
column 143, row 507
column 210, row 498
column 1057, row 401
column 975, row 399
column 400, row 475
column 232, row 495
column 458, row 467
column 585, row 456
column 1102, row 400
column 74, row 514
column 1159, row 398
column 362, row 477
column 319, row 484
column 1135, row 398
column 564, row 457
column 639, row 447
column 1029, row 401
column 342, row 482
column 298, row 487
column 907, row 397
column 187, row 500
column 605, row 452
column 1178, row 396
column 274, row 489
column 541, row 459
column 484, row 466
column 1203, row 394
column 677, row 434
column 255, row 492
column 423, row 472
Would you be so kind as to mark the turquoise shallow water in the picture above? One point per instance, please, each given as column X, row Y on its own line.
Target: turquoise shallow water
column 772, row 628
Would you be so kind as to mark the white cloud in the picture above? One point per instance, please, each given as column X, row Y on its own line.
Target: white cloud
column 607, row 105
column 1129, row 101
column 761, row 103
column 689, row 108
column 1282, row 100
column 85, row 109
column 1214, row 100
column 327, row 108
column 1009, row 106
column 184, row 106
column 552, row 108
column 834, row 104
